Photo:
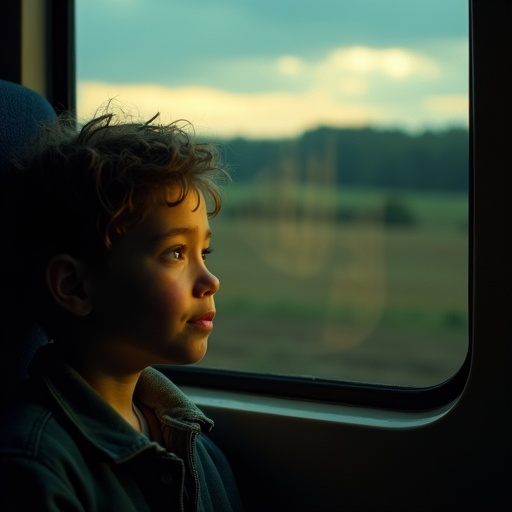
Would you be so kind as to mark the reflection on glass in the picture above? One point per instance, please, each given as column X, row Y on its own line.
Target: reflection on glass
column 342, row 245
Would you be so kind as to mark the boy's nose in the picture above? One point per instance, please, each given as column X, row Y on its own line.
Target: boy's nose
column 207, row 284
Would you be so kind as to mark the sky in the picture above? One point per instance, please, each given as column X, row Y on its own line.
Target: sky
column 275, row 68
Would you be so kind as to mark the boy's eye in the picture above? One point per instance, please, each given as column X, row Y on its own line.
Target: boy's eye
column 175, row 253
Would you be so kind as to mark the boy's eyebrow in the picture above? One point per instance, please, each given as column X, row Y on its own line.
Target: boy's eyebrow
column 182, row 231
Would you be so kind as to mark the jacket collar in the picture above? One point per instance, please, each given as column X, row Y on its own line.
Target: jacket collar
column 98, row 422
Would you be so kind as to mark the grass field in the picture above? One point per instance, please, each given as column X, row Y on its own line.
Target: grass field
column 354, row 300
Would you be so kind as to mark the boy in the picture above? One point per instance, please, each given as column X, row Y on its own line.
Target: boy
column 109, row 228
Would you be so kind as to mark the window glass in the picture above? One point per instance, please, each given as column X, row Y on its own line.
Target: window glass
column 342, row 246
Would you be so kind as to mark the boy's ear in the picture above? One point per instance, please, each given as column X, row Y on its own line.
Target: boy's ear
column 66, row 284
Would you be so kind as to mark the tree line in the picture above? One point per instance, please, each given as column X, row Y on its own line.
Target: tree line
column 369, row 157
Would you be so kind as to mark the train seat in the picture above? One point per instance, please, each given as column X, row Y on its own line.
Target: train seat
column 22, row 112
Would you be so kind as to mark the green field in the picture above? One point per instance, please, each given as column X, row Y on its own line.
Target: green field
column 353, row 300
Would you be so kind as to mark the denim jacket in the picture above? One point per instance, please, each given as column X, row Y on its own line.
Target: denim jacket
column 63, row 448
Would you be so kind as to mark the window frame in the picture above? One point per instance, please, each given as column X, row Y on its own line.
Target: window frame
column 288, row 386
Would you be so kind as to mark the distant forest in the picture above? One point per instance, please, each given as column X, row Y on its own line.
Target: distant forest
column 432, row 160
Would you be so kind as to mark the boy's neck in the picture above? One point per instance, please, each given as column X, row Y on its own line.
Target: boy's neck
column 115, row 387
column 117, row 392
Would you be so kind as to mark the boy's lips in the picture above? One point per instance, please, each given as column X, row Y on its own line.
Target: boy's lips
column 205, row 321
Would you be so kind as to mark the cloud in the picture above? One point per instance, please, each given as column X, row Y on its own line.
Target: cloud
column 224, row 114
column 351, row 86
column 290, row 65
column 394, row 63
column 447, row 104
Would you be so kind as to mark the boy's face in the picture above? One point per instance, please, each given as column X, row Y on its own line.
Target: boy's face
column 155, row 302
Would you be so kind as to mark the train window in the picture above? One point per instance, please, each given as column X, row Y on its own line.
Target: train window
column 343, row 240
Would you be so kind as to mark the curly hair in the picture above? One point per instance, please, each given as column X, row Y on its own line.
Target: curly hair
column 85, row 188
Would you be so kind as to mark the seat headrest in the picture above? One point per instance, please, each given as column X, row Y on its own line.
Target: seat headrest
column 22, row 111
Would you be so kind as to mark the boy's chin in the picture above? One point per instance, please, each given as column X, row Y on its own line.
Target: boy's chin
column 191, row 356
